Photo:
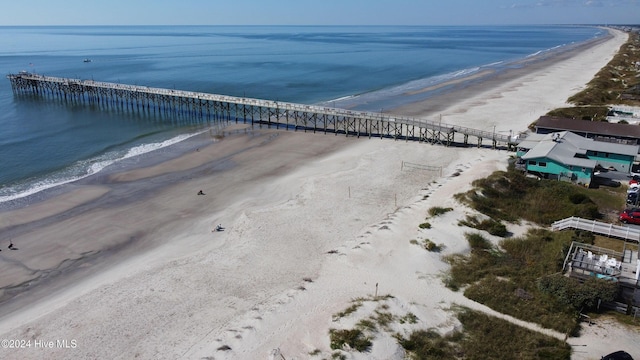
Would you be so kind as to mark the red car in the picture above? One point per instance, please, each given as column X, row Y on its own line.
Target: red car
column 630, row 216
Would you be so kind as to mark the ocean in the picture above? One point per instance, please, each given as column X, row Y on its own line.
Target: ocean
column 45, row 143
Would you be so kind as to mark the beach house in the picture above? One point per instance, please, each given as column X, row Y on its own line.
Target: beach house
column 570, row 157
column 597, row 130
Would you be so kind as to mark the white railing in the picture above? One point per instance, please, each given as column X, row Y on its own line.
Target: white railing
column 597, row 227
column 433, row 125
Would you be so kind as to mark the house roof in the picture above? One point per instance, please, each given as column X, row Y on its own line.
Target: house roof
column 591, row 127
column 579, row 143
column 561, row 147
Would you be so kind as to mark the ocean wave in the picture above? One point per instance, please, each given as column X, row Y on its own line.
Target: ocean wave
column 403, row 89
column 84, row 168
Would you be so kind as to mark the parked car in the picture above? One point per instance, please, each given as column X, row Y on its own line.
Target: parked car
column 630, row 216
column 635, row 179
column 633, row 188
column 632, row 198
column 618, row 355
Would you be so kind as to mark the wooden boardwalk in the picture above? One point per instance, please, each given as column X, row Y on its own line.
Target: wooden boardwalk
column 616, row 231
column 213, row 107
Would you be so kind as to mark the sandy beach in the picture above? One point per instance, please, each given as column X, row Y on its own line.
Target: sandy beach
column 127, row 265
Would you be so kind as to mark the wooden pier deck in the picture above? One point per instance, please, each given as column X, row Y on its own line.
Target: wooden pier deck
column 207, row 107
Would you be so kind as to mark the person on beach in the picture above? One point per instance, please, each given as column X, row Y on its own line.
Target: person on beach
column 200, row 192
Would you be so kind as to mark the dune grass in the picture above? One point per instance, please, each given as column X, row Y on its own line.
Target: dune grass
column 483, row 337
column 616, row 81
column 510, row 196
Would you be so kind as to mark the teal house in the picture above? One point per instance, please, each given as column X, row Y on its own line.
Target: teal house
column 570, row 157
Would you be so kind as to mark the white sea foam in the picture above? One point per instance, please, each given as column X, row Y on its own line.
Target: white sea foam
column 84, row 168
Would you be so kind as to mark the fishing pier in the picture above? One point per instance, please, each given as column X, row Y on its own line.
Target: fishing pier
column 278, row 114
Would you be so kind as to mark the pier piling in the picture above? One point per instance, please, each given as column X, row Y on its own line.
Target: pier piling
column 197, row 106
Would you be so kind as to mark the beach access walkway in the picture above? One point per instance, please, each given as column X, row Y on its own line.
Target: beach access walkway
column 626, row 233
column 198, row 106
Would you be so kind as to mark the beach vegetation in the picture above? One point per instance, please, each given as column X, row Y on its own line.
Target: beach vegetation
column 449, row 281
column 479, row 336
column 366, row 324
column 477, row 242
column 354, row 338
column 506, row 277
column 493, row 227
column 428, row 245
column 431, row 246
column 438, row 210
column 384, row 319
column 315, row 352
column 348, row 311
column 616, row 82
column 483, row 337
column 409, row 318
column 570, row 291
column 591, row 113
column 510, row 196
column 339, row 356
column 425, row 225
column 381, row 297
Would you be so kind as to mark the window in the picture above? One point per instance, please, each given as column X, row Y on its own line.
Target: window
column 532, row 162
column 542, row 164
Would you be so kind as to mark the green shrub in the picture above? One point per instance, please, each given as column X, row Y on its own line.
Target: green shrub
column 510, row 196
column 410, row 318
column 491, row 226
column 355, row 338
column 437, row 210
column 428, row 344
column 366, row 324
column 425, row 225
column 431, row 246
column 497, row 228
column 477, row 241
column 571, row 292
column 493, row 276
column 348, row 311
column 484, row 337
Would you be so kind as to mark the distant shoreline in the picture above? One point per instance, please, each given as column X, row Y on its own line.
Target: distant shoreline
column 477, row 83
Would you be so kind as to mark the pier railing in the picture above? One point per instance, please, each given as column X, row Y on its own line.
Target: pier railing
column 256, row 111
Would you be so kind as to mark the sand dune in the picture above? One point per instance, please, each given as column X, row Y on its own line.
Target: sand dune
column 312, row 222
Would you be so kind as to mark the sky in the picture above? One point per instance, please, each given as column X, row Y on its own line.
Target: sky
column 318, row 12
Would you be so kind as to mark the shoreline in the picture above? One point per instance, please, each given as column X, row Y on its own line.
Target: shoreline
column 457, row 85
column 178, row 290
column 438, row 103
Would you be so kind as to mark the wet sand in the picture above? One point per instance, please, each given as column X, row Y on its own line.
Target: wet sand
column 126, row 264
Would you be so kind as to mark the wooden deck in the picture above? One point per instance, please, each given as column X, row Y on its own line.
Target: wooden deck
column 207, row 107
